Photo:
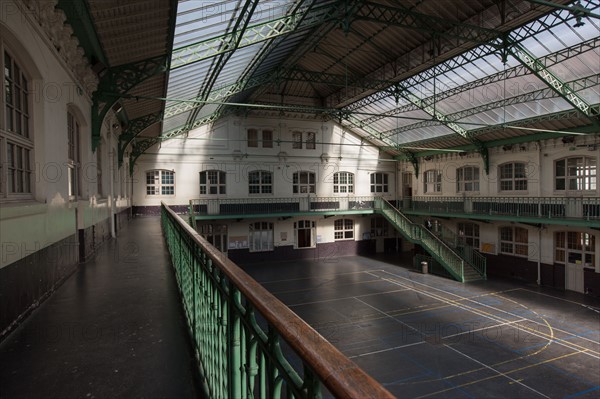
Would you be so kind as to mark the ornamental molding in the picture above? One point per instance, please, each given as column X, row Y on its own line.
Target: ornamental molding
column 52, row 21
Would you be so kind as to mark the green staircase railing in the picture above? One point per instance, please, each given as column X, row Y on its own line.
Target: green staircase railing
column 454, row 263
column 249, row 344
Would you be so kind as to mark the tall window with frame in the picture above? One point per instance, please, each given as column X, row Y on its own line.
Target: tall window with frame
column 260, row 182
column 432, row 181
column 514, row 241
column 468, row 234
column 575, row 174
column 16, row 138
column 343, row 182
column 344, row 229
column 575, row 247
column 303, row 183
column 467, row 179
column 311, row 140
column 513, row 176
column 73, row 162
column 379, row 182
column 213, row 182
column 160, row 182
column 261, row 237
column 379, row 227
column 297, row 140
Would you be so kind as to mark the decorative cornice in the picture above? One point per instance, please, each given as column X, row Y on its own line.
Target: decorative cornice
column 53, row 23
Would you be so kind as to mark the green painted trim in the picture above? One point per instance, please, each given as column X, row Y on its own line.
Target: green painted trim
column 509, row 218
column 286, row 214
column 78, row 16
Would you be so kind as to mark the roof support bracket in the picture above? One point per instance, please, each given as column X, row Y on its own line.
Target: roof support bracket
column 134, row 128
column 116, row 82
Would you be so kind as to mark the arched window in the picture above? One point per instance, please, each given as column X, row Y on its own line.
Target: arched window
column 575, row 174
column 512, row 176
column 432, row 181
column 344, row 229
column 303, row 182
column 212, row 182
column 260, row 182
column 467, row 179
column 160, row 182
column 343, row 182
column 16, row 138
column 261, row 236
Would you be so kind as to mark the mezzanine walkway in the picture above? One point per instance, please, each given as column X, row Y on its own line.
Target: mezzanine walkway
column 114, row 329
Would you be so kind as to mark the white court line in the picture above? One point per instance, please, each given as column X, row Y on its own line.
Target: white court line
column 320, row 275
column 386, row 350
column 559, row 341
column 347, row 297
column 494, row 370
column 590, row 307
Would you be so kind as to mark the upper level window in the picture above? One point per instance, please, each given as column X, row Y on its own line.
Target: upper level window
column 344, row 229
column 303, row 182
column 160, row 182
column 309, row 144
column 16, row 144
column 261, row 236
column 514, row 241
column 260, row 182
column 212, row 182
column 73, row 156
column 575, row 174
column 513, row 176
column 343, row 182
column 432, row 181
column 258, row 138
column 467, row 179
column 468, row 234
column 379, row 182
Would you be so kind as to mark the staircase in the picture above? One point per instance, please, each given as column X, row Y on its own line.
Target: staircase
column 462, row 263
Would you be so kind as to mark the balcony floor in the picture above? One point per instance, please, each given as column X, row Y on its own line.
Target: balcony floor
column 114, row 329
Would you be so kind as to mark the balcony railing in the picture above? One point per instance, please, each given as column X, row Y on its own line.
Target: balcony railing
column 534, row 207
column 247, row 342
column 267, row 206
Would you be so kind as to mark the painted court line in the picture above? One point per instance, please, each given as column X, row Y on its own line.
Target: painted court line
column 347, row 297
column 539, row 334
column 328, row 276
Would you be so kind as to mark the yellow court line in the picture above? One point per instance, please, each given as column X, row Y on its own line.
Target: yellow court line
column 532, row 331
column 495, row 376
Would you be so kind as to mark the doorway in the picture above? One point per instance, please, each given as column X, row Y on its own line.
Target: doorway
column 305, row 237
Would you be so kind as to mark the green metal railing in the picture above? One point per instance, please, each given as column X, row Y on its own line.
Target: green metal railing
column 416, row 233
column 583, row 208
column 249, row 344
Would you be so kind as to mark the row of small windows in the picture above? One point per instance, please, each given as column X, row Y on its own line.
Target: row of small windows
column 572, row 174
column 264, row 138
column 213, row 182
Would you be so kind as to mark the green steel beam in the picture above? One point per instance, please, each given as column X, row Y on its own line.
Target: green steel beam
column 254, row 34
column 564, row 115
column 545, row 93
column 286, row 214
column 238, row 30
column 404, row 17
column 575, row 9
column 133, row 129
column 545, row 23
column 553, row 81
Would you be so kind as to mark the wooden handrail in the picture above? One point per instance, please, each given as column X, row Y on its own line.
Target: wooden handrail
column 342, row 377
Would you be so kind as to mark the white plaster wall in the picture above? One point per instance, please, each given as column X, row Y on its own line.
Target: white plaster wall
column 48, row 216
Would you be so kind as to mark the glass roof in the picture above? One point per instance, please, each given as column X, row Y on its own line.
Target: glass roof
column 481, row 87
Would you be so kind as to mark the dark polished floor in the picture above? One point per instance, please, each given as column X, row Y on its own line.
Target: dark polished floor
column 114, row 329
column 424, row 336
